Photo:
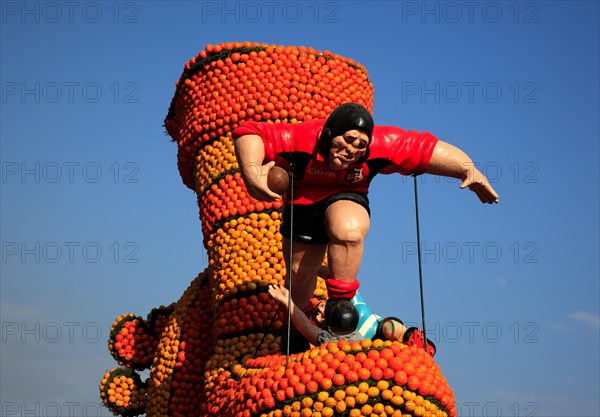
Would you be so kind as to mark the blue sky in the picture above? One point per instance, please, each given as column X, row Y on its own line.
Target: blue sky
column 95, row 220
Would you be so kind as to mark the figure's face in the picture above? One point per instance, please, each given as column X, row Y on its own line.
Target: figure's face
column 319, row 314
column 348, row 148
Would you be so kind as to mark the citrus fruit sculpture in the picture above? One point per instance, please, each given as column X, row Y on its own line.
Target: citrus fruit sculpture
column 216, row 351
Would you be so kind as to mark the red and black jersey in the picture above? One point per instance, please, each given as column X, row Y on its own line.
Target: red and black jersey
column 295, row 147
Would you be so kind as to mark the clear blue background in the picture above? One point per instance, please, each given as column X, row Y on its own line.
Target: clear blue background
column 96, row 221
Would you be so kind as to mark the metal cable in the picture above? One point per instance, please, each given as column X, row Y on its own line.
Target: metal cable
column 290, row 265
column 289, row 316
column 419, row 258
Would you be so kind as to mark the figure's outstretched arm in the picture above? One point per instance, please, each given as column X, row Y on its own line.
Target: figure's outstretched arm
column 450, row 161
column 250, row 154
column 302, row 323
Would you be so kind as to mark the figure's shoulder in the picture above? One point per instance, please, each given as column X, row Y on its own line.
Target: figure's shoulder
column 385, row 140
column 301, row 136
column 310, row 128
column 385, row 135
column 324, row 336
column 355, row 336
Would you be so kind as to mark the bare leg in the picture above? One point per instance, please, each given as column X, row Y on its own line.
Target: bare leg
column 306, row 260
column 347, row 225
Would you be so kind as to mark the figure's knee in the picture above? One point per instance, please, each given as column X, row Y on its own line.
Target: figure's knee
column 347, row 223
column 349, row 233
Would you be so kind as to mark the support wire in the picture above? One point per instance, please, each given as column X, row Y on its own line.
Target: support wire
column 420, row 263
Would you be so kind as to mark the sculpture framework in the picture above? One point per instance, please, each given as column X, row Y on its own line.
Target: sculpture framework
column 216, row 350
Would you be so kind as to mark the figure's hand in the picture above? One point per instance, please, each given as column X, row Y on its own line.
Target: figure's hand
column 279, row 293
column 479, row 184
column 255, row 179
column 450, row 161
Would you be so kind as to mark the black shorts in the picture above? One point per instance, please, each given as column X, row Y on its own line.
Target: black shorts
column 309, row 224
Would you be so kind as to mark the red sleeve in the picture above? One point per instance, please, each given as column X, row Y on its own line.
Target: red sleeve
column 269, row 133
column 282, row 137
column 408, row 150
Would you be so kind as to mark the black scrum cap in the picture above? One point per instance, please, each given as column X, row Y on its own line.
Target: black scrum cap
column 343, row 118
